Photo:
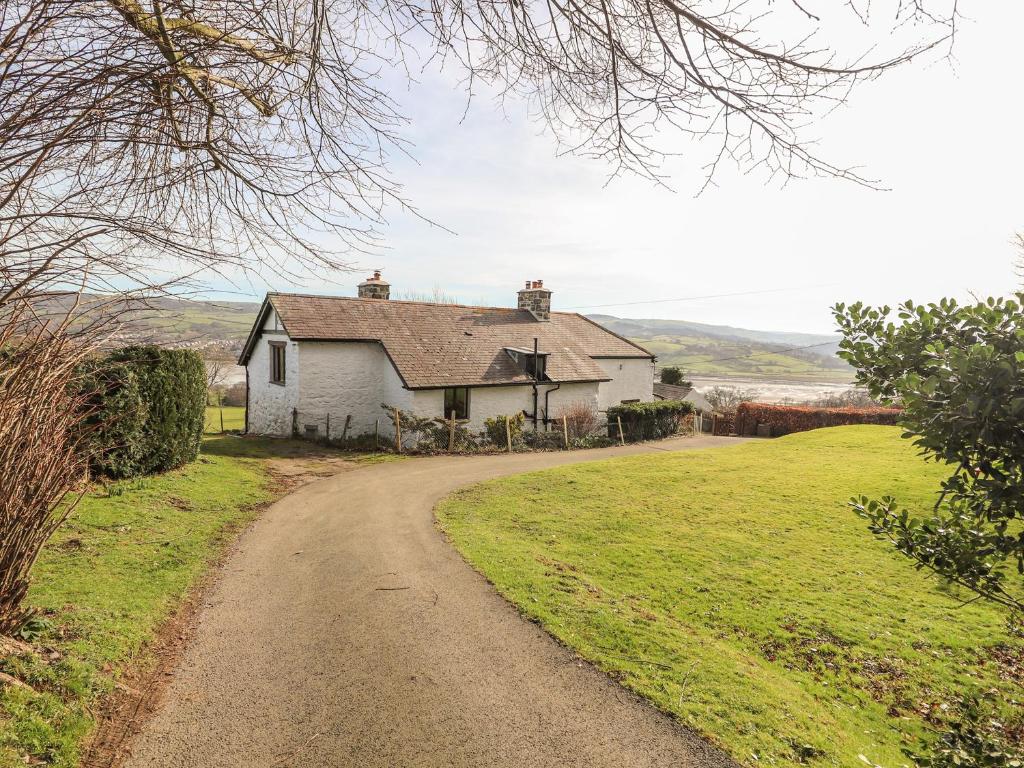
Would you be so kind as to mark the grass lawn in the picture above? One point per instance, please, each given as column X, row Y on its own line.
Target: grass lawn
column 113, row 573
column 234, row 418
column 735, row 589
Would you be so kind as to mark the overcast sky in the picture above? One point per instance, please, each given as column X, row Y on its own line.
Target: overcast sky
column 945, row 137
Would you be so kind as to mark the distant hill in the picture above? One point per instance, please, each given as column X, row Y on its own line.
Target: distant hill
column 221, row 327
column 723, row 350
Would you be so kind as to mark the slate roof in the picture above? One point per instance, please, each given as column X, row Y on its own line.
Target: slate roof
column 442, row 345
column 675, row 392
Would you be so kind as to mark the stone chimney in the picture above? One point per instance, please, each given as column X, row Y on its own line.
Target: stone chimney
column 536, row 298
column 375, row 287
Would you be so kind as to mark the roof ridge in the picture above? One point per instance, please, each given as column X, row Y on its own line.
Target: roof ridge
column 419, row 303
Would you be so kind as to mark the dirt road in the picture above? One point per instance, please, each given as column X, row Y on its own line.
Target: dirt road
column 345, row 631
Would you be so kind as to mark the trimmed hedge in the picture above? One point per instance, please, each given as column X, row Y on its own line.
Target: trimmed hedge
column 149, row 405
column 648, row 421
column 784, row 419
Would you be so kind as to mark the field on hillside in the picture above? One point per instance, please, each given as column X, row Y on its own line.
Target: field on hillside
column 708, row 356
column 219, row 329
column 736, row 590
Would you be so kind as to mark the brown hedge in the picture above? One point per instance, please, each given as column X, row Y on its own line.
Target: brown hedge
column 783, row 419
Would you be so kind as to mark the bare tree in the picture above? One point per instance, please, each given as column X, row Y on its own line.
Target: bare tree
column 143, row 142
column 211, row 134
column 727, row 399
column 41, row 460
column 437, row 295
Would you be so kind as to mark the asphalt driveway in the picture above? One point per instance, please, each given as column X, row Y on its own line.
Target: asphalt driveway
column 344, row 631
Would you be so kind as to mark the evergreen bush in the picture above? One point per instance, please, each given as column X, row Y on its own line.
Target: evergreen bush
column 496, row 432
column 647, row 421
column 150, row 405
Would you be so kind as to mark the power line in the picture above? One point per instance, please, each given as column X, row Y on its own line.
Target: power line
column 708, row 296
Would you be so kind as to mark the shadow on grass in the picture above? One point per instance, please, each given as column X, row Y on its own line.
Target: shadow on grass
column 238, row 446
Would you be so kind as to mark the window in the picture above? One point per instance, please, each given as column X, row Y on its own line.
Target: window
column 533, row 365
column 277, row 362
column 456, row 399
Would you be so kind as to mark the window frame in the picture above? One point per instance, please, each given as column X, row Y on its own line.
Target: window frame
column 278, row 367
column 445, row 404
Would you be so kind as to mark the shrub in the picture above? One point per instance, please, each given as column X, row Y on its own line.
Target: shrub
column 673, row 374
column 648, row 421
column 495, row 430
column 117, row 415
column 784, row 419
column 151, row 406
column 580, row 418
column 544, row 441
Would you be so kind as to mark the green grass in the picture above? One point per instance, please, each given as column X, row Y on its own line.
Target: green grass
column 735, row 589
column 234, row 418
column 111, row 575
column 709, row 356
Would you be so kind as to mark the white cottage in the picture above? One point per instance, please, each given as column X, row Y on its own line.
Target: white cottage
column 321, row 365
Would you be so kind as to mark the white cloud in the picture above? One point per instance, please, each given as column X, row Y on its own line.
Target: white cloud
column 946, row 141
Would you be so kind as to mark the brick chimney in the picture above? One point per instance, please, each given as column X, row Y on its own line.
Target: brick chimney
column 375, row 287
column 536, row 298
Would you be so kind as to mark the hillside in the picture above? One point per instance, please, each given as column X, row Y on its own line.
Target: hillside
column 721, row 350
column 698, row 348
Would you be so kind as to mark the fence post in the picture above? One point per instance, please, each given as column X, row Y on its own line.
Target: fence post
column 328, row 429
column 565, row 430
column 622, row 438
column 508, row 433
column 398, row 431
column 344, row 430
column 295, row 422
column 451, row 433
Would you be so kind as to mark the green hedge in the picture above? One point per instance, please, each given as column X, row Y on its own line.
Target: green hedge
column 148, row 410
column 648, row 421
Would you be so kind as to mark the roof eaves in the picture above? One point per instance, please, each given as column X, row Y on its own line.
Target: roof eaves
column 254, row 332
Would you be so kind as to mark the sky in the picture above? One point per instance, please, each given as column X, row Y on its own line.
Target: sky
column 943, row 137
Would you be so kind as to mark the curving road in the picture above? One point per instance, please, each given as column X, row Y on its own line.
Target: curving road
column 344, row 631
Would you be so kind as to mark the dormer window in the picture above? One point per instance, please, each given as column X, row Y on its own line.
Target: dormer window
column 533, row 365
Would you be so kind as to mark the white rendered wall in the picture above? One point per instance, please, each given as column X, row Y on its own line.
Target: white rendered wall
column 270, row 405
column 351, row 378
column 489, row 402
column 631, row 379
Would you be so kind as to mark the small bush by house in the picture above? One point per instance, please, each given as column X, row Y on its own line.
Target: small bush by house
column 580, row 419
column 148, row 409
column 497, row 433
column 648, row 421
column 780, row 420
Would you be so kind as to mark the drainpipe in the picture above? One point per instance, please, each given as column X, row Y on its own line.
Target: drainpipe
column 536, row 379
column 547, row 396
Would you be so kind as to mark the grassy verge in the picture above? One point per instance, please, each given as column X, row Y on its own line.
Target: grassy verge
column 111, row 576
column 735, row 589
column 234, row 418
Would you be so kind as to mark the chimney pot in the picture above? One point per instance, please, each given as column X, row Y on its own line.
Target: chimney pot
column 374, row 287
column 537, row 299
